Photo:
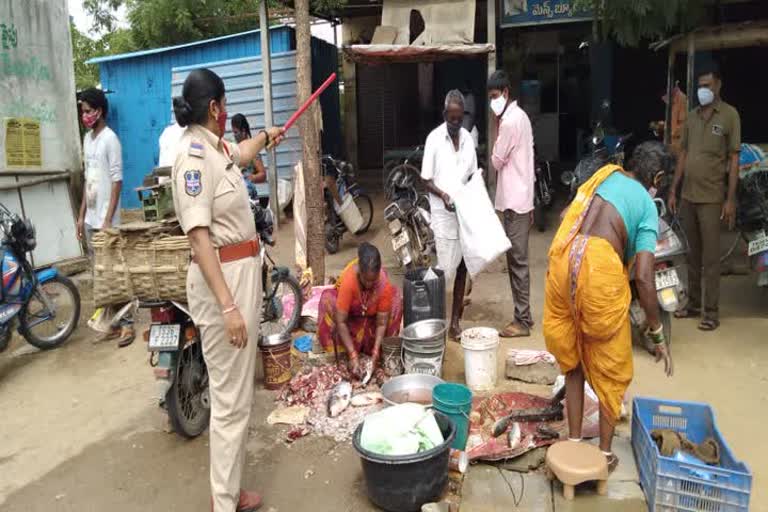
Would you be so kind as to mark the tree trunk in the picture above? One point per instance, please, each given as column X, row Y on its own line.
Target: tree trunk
column 311, row 144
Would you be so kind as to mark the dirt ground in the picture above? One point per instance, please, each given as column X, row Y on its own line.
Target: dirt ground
column 82, row 431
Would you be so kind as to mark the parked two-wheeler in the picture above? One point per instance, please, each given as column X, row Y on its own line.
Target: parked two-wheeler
column 752, row 221
column 334, row 225
column 604, row 151
column 407, row 216
column 671, row 247
column 542, row 194
column 45, row 303
column 174, row 340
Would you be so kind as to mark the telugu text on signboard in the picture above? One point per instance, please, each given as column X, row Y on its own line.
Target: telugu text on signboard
column 515, row 13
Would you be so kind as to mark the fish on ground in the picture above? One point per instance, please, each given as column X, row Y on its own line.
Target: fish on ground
column 339, row 398
column 367, row 398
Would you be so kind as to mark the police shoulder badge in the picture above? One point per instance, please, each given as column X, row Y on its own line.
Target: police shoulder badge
column 196, row 149
column 193, row 184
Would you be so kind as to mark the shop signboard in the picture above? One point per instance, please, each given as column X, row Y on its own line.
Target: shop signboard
column 518, row 13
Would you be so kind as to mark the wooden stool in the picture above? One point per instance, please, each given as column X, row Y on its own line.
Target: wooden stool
column 574, row 462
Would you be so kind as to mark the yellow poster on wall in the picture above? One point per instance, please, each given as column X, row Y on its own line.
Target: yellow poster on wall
column 22, row 143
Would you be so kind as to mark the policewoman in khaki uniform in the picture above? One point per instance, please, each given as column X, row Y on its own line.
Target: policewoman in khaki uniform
column 224, row 279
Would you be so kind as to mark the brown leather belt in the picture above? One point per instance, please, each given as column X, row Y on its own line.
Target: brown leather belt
column 234, row 252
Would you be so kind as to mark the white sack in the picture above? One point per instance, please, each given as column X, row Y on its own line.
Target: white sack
column 482, row 236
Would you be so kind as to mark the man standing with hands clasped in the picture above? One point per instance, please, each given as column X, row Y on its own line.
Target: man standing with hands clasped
column 710, row 146
column 513, row 160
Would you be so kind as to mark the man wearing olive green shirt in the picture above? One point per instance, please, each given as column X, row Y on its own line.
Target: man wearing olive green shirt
column 708, row 166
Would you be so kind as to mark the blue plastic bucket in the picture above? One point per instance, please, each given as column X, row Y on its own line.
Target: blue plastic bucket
column 455, row 401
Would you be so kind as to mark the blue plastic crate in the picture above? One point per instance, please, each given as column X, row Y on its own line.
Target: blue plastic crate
column 670, row 485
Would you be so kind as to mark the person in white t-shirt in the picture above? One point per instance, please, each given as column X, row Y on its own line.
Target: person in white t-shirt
column 449, row 162
column 100, row 208
column 103, row 159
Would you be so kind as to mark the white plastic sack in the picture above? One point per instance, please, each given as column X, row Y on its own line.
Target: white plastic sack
column 402, row 429
column 482, row 236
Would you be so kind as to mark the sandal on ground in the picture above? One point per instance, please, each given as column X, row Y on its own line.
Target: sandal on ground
column 247, row 502
column 709, row 324
column 613, row 462
column 127, row 335
column 515, row 330
column 687, row 313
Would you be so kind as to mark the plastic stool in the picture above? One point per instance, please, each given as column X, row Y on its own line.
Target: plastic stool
column 574, row 462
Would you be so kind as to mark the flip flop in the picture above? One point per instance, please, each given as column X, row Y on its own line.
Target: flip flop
column 687, row 313
column 127, row 335
column 613, row 462
column 515, row 330
column 709, row 324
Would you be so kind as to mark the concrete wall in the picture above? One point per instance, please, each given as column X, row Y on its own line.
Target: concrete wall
column 37, row 83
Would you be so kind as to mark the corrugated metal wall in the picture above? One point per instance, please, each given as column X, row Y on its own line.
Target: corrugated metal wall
column 243, row 79
column 140, row 101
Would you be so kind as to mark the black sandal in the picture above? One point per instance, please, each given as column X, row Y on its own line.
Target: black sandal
column 709, row 324
column 687, row 313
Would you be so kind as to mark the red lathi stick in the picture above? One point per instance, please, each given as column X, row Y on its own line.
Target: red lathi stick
column 311, row 99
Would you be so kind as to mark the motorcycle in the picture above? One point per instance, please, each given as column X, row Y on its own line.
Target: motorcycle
column 752, row 220
column 671, row 247
column 604, row 150
column 45, row 303
column 542, row 196
column 334, row 225
column 407, row 216
column 174, row 340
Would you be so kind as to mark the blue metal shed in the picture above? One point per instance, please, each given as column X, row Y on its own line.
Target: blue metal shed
column 140, row 85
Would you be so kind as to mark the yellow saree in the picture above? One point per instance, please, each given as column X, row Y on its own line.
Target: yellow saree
column 586, row 310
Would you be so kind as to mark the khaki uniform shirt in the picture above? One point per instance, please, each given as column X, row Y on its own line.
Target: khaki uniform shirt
column 709, row 144
column 208, row 188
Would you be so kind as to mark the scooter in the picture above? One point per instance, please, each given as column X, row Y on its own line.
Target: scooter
column 542, row 196
column 45, row 303
column 671, row 247
column 752, row 220
column 334, row 225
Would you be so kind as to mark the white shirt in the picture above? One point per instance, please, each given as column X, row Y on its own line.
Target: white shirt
column 169, row 139
column 449, row 170
column 103, row 166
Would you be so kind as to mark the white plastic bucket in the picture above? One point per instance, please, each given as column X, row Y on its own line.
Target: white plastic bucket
column 480, row 346
column 350, row 214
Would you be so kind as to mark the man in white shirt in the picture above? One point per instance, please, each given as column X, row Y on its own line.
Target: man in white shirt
column 100, row 208
column 449, row 162
column 103, row 159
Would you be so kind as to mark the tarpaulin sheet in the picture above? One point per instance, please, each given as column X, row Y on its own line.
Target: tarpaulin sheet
column 481, row 445
column 394, row 53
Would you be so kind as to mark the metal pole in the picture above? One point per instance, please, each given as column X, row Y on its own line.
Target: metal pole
column 266, row 62
column 691, row 63
column 491, row 124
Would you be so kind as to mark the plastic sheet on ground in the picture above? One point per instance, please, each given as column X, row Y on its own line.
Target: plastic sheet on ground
column 481, row 445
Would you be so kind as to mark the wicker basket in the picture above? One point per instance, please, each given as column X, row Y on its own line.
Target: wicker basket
column 145, row 261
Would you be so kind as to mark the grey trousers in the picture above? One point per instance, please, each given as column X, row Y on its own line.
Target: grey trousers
column 518, row 227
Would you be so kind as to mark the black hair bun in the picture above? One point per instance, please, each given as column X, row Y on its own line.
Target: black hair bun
column 182, row 110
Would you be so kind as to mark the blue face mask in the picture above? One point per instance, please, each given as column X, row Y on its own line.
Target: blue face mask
column 706, row 96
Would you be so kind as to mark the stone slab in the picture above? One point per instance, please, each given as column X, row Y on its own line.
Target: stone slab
column 621, row 496
column 537, row 373
column 528, row 461
column 485, row 490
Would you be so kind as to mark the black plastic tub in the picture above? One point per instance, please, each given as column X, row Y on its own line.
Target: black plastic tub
column 405, row 483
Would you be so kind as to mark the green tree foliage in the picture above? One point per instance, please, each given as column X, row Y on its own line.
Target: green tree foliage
column 631, row 21
column 84, row 48
column 156, row 23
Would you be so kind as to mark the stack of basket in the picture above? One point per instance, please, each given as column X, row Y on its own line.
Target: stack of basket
column 143, row 260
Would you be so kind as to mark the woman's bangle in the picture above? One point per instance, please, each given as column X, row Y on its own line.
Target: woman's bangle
column 266, row 134
column 229, row 309
column 353, row 355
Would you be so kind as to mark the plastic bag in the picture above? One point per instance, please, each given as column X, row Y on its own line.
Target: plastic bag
column 482, row 236
column 429, row 275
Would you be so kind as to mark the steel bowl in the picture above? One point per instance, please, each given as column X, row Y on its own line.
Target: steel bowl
column 425, row 330
column 411, row 387
column 274, row 340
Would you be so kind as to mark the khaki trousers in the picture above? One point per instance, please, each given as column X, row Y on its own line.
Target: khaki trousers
column 231, row 372
column 701, row 222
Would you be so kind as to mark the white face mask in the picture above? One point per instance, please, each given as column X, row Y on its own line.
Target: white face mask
column 706, row 96
column 498, row 105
